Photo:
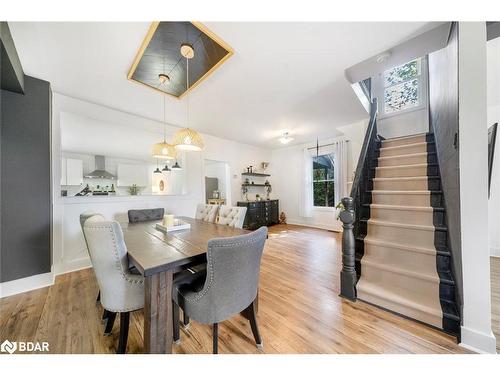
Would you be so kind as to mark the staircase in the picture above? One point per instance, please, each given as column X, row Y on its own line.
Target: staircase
column 402, row 256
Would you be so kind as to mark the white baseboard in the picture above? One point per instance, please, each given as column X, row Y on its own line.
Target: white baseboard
column 9, row 288
column 478, row 342
column 495, row 251
column 75, row 265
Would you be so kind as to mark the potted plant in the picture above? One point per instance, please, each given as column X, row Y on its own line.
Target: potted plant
column 134, row 189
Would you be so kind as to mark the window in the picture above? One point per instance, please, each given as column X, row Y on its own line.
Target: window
column 402, row 87
column 323, row 181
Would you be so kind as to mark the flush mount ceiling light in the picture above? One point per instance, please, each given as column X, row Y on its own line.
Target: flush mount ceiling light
column 163, row 78
column 188, row 139
column 383, row 57
column 285, row 138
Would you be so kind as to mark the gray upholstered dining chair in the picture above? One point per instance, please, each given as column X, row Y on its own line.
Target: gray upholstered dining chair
column 229, row 285
column 149, row 214
column 83, row 218
column 207, row 212
column 232, row 216
column 121, row 291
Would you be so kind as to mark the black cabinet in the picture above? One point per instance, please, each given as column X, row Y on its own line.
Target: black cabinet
column 263, row 213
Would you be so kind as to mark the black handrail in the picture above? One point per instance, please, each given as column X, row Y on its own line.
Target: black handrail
column 351, row 215
column 370, row 135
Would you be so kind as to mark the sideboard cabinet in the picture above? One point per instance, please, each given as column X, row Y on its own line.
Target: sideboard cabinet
column 260, row 213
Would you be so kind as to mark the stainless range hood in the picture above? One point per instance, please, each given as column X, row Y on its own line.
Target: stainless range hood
column 100, row 169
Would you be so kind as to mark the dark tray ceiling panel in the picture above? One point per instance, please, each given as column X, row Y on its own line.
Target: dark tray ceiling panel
column 160, row 53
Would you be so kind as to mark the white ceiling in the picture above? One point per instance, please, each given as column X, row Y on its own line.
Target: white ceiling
column 282, row 75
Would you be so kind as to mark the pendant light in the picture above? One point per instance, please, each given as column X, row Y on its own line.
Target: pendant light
column 176, row 166
column 166, row 168
column 188, row 139
column 157, row 170
column 164, row 150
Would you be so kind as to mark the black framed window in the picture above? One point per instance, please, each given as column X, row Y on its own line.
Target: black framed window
column 323, row 181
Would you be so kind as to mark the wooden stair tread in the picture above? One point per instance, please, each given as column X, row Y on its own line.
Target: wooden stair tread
column 409, row 192
column 398, row 295
column 371, row 262
column 409, row 145
column 403, row 208
column 407, row 166
column 405, row 137
column 412, row 178
column 440, row 250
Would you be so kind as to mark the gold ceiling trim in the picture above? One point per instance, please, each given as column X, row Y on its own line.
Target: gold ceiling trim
column 147, row 40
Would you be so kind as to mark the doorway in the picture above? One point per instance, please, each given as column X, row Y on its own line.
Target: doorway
column 217, row 182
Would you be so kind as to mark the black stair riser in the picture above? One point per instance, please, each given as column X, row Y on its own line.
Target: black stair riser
column 434, row 184
column 443, row 262
column 446, row 291
column 433, row 170
column 452, row 327
column 440, row 238
column 438, row 218
column 432, row 158
column 365, row 212
column 436, row 199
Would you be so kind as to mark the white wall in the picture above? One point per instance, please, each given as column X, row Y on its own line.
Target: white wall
column 287, row 178
column 408, row 122
column 493, row 85
column 122, row 135
column 476, row 325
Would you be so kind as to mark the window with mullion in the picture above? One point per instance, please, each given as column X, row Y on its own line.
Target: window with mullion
column 323, row 181
column 402, row 87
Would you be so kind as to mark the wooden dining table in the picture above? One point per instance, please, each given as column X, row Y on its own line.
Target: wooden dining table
column 158, row 256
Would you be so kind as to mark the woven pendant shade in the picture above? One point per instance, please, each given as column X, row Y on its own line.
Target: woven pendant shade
column 188, row 139
column 164, row 150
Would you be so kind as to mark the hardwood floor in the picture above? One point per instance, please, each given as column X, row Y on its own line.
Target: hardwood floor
column 495, row 298
column 299, row 311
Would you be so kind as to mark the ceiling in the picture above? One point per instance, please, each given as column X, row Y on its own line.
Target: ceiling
column 281, row 76
column 162, row 55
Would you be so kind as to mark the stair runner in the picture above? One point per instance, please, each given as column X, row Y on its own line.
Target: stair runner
column 406, row 263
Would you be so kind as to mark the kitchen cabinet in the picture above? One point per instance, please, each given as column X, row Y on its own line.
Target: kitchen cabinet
column 71, row 172
column 130, row 174
column 260, row 213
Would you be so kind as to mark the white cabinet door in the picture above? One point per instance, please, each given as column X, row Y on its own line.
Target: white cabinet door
column 74, row 172
column 63, row 171
column 130, row 174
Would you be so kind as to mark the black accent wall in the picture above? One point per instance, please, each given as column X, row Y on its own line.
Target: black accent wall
column 26, row 204
column 443, row 104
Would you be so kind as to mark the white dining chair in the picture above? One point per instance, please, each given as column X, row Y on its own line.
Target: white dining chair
column 207, row 212
column 232, row 216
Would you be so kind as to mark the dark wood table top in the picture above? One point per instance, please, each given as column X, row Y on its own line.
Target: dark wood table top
column 152, row 251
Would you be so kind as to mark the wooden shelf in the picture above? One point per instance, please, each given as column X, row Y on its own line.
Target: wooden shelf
column 255, row 185
column 253, row 174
